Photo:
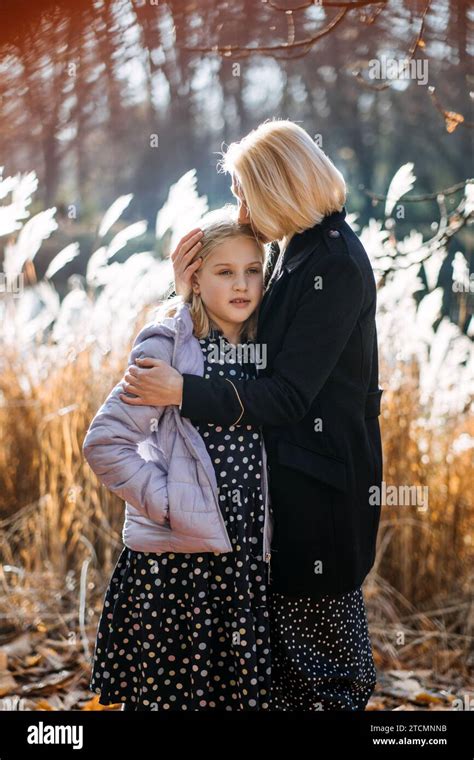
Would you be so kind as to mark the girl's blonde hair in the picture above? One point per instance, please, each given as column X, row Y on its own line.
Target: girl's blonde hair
column 287, row 182
column 218, row 226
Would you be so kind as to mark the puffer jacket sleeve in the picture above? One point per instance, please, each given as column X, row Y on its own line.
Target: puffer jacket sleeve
column 110, row 445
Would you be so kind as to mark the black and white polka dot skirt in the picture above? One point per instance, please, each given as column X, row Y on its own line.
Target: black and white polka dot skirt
column 321, row 652
column 185, row 632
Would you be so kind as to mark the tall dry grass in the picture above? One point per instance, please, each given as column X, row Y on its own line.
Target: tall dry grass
column 420, row 590
column 60, row 530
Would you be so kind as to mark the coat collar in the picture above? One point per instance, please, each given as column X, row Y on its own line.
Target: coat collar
column 304, row 243
column 300, row 246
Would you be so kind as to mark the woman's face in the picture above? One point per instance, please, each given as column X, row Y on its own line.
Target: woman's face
column 244, row 214
column 230, row 281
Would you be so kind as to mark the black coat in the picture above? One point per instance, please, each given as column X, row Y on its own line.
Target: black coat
column 318, row 400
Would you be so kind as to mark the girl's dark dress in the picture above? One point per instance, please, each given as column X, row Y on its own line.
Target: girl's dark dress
column 191, row 631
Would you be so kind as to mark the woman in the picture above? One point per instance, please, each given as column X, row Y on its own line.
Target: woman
column 318, row 400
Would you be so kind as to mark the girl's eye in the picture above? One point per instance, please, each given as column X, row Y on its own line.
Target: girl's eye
column 252, row 271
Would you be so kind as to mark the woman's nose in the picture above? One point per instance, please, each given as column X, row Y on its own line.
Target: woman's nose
column 244, row 215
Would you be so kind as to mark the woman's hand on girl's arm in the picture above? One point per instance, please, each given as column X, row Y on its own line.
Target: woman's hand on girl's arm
column 154, row 382
column 181, row 257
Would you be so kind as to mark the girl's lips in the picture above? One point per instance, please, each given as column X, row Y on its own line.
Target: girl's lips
column 240, row 303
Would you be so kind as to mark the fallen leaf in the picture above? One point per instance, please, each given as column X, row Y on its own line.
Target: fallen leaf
column 7, row 683
column 94, row 704
column 49, row 683
column 51, row 657
column 425, row 698
column 43, row 704
column 32, row 659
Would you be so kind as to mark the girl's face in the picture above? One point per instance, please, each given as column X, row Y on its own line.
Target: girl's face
column 230, row 281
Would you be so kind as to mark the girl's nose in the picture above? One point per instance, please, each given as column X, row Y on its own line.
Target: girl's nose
column 240, row 282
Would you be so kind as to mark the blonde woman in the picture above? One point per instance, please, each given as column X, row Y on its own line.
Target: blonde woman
column 318, row 400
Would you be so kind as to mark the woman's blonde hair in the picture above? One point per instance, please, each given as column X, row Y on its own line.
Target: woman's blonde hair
column 218, row 226
column 287, row 182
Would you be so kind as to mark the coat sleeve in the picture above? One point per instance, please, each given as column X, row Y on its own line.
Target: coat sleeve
column 110, row 445
column 321, row 326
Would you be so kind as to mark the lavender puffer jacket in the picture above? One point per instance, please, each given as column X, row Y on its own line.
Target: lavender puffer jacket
column 157, row 461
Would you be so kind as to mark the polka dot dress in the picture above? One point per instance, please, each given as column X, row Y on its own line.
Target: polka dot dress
column 191, row 631
column 321, row 653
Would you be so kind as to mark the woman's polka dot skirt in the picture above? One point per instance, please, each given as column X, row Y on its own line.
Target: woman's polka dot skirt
column 321, row 653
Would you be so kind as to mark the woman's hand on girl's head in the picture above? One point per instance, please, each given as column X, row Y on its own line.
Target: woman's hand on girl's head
column 182, row 257
column 154, row 382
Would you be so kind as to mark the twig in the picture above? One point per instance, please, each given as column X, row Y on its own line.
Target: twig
column 451, row 116
column 385, row 85
column 237, row 51
column 324, row 4
column 418, row 198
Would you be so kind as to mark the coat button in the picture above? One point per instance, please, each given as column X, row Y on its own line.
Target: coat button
column 334, row 233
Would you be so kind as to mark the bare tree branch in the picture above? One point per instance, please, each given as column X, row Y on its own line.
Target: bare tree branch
column 239, row 51
column 324, row 4
column 417, row 198
column 419, row 42
column 452, row 118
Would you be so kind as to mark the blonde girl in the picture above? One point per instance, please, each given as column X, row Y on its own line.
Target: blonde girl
column 185, row 624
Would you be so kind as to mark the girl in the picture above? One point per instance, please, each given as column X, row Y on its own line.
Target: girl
column 185, row 624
